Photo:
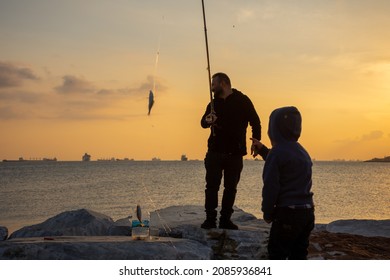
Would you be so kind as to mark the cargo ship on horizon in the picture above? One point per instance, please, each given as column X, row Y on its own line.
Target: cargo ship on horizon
column 21, row 159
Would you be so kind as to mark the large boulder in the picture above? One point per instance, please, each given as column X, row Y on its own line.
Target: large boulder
column 3, row 233
column 82, row 222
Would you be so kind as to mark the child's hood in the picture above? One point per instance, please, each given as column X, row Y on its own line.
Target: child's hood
column 285, row 125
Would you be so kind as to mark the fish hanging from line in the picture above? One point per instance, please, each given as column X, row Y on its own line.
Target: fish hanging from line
column 151, row 101
column 139, row 215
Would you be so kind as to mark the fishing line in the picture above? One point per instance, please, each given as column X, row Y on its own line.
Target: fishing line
column 165, row 226
column 156, row 63
column 157, row 57
column 154, row 74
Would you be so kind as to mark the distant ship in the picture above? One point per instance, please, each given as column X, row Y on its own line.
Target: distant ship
column 125, row 159
column 49, row 159
column 106, row 159
column 86, row 157
column 184, row 158
column 156, row 159
column 115, row 159
column 385, row 159
column 21, row 159
column 12, row 160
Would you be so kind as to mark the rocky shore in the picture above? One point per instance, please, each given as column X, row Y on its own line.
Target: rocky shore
column 87, row 235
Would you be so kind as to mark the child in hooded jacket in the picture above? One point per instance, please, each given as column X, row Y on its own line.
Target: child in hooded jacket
column 287, row 177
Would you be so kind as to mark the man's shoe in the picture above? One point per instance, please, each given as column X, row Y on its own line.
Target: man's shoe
column 228, row 224
column 208, row 224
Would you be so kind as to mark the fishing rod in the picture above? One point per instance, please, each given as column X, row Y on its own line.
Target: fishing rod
column 208, row 63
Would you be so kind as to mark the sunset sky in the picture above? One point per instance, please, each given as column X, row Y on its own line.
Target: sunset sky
column 75, row 75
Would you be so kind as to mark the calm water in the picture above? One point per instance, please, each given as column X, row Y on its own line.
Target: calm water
column 31, row 192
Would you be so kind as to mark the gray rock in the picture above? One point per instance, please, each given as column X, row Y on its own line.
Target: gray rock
column 3, row 233
column 81, row 222
column 249, row 242
column 124, row 221
column 122, row 227
column 174, row 216
column 182, row 222
column 361, row 227
column 119, row 230
column 102, row 248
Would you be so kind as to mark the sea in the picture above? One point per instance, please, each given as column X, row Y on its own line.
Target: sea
column 33, row 191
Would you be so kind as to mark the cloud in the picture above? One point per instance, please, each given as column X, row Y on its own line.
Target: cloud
column 8, row 113
column 20, row 96
column 73, row 84
column 76, row 98
column 145, row 87
column 105, row 92
column 371, row 136
column 13, row 76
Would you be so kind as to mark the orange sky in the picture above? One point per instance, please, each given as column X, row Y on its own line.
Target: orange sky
column 75, row 75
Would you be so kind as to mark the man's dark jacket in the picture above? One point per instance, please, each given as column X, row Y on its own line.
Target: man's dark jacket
column 233, row 115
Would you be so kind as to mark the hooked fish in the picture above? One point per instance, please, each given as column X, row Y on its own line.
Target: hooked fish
column 151, row 101
column 139, row 214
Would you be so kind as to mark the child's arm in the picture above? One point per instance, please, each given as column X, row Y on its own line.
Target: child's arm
column 259, row 148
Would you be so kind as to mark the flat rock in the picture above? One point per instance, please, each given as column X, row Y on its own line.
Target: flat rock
column 361, row 227
column 249, row 242
column 102, row 248
column 176, row 217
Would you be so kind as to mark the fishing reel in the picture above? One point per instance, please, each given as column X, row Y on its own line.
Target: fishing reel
column 211, row 118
